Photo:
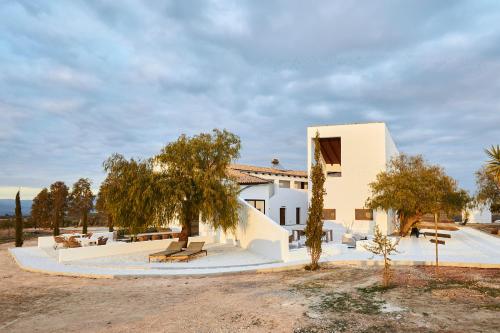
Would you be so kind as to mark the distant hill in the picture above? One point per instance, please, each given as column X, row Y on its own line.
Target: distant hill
column 8, row 206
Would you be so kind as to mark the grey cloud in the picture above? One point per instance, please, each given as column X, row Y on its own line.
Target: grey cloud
column 81, row 80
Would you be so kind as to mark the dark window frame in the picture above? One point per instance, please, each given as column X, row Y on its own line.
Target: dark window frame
column 255, row 201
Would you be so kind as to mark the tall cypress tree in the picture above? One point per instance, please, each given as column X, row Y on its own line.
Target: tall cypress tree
column 19, row 221
column 314, row 227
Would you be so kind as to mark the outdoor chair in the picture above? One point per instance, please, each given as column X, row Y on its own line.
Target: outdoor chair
column 59, row 242
column 193, row 249
column 142, row 238
column 173, row 247
column 102, row 240
column 72, row 242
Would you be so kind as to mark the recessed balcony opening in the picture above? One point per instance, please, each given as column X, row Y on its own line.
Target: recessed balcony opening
column 331, row 153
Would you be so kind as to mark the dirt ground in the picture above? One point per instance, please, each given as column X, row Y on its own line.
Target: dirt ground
column 335, row 299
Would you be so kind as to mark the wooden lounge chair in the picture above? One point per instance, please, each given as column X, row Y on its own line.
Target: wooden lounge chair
column 193, row 249
column 173, row 247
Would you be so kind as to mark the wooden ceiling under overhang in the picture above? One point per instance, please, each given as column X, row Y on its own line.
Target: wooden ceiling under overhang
column 331, row 150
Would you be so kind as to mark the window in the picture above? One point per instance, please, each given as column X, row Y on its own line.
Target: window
column 297, row 215
column 285, row 183
column 304, row 185
column 363, row 214
column 282, row 215
column 329, row 214
column 260, row 205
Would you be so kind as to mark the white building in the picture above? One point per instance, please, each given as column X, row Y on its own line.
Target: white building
column 480, row 215
column 352, row 156
column 278, row 193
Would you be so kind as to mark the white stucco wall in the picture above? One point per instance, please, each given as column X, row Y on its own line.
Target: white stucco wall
column 290, row 199
column 276, row 198
column 258, row 233
column 257, row 192
column 480, row 215
column 114, row 248
column 365, row 151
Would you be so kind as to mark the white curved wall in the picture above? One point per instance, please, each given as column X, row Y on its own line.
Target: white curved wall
column 258, row 233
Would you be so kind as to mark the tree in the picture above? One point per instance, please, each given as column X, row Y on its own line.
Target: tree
column 194, row 181
column 493, row 165
column 488, row 190
column 382, row 245
column 101, row 203
column 19, row 221
column 81, row 201
column 59, row 203
column 134, row 196
column 41, row 210
column 412, row 188
column 314, row 227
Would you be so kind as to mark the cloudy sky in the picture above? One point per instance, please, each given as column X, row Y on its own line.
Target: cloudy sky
column 80, row 80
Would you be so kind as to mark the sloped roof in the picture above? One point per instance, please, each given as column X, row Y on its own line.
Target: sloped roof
column 246, row 179
column 272, row 171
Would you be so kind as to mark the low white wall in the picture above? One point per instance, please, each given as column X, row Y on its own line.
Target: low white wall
column 258, row 233
column 114, row 248
column 46, row 241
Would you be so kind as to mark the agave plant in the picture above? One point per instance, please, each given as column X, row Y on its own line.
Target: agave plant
column 493, row 164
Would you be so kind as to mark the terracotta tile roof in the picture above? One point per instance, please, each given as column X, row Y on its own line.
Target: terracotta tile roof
column 273, row 171
column 246, row 179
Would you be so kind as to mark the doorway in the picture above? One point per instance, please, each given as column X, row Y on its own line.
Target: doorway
column 282, row 215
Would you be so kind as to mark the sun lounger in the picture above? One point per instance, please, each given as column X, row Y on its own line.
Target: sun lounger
column 193, row 249
column 173, row 247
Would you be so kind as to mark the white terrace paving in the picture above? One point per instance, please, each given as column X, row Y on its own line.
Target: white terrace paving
column 466, row 247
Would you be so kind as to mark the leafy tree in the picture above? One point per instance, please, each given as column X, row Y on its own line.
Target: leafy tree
column 314, row 227
column 488, row 190
column 101, row 204
column 493, row 165
column 134, row 195
column 41, row 210
column 19, row 221
column 412, row 188
column 59, row 203
column 382, row 245
column 81, row 201
column 193, row 176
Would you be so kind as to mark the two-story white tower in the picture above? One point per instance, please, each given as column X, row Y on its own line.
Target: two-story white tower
column 352, row 156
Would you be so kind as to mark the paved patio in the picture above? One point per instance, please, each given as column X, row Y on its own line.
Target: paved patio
column 467, row 247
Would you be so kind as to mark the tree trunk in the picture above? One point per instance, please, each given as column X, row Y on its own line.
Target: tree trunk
column 186, row 231
column 85, row 216
column 56, row 224
column 110, row 223
column 406, row 223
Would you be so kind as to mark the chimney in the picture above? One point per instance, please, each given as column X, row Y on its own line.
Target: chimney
column 276, row 163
